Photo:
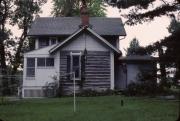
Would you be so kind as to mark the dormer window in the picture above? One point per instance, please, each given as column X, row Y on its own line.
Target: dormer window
column 53, row 40
column 46, row 41
column 43, row 42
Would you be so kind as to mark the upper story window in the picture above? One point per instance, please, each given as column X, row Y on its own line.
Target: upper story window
column 43, row 42
column 30, row 70
column 53, row 40
column 45, row 62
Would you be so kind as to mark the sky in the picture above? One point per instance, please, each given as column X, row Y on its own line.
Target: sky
column 146, row 33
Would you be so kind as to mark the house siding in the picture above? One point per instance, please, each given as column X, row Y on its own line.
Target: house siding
column 97, row 70
column 33, row 87
column 87, row 41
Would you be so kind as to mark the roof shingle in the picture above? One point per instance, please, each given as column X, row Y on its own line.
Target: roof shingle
column 68, row 25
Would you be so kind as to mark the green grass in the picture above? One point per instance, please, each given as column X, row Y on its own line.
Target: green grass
column 106, row 108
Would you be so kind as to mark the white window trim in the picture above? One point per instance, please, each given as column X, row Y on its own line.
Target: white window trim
column 45, row 67
column 79, row 54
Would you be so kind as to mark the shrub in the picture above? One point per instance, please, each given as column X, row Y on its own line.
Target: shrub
column 3, row 101
column 92, row 93
column 141, row 89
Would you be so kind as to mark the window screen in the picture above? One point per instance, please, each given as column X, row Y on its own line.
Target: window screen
column 41, row 62
column 53, row 41
column 49, row 61
column 30, row 72
column 45, row 62
column 43, row 42
column 76, row 65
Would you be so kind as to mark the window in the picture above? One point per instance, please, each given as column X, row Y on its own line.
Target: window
column 43, row 42
column 41, row 62
column 30, row 72
column 49, row 62
column 53, row 40
column 76, row 64
column 45, row 62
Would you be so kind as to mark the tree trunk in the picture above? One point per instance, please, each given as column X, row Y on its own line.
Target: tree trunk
column 3, row 67
column 162, row 66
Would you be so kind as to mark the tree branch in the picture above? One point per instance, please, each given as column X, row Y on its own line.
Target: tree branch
column 135, row 18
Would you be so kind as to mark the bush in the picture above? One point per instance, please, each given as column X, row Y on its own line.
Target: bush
column 92, row 93
column 3, row 101
column 141, row 89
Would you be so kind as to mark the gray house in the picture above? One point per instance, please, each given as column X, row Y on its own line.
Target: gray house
column 88, row 46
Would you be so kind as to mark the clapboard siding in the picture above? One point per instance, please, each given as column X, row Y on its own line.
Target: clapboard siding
column 97, row 70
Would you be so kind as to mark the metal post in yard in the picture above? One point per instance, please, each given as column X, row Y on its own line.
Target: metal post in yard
column 74, row 91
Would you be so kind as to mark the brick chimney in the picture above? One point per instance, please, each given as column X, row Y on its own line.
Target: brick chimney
column 84, row 15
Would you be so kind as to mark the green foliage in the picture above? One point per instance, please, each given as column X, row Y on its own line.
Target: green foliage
column 174, row 26
column 72, row 7
column 23, row 14
column 129, row 3
column 146, row 84
column 137, row 8
column 50, row 89
column 4, row 101
column 25, row 11
column 134, row 17
column 135, row 48
column 19, row 13
column 97, row 8
column 4, row 32
column 93, row 93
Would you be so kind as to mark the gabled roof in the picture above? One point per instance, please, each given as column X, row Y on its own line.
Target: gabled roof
column 80, row 31
column 67, row 26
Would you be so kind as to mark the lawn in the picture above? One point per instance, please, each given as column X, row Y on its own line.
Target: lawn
column 105, row 108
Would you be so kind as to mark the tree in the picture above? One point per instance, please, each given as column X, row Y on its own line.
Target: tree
column 137, row 14
column 168, row 49
column 4, row 35
column 23, row 15
column 72, row 7
column 19, row 13
column 140, row 12
column 135, row 48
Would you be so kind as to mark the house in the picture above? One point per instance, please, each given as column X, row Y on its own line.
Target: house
column 88, row 46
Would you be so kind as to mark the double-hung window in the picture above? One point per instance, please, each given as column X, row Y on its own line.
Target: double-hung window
column 53, row 40
column 30, row 70
column 76, row 64
column 43, row 42
column 45, row 62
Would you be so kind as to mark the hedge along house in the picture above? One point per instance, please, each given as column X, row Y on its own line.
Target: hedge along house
column 88, row 46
